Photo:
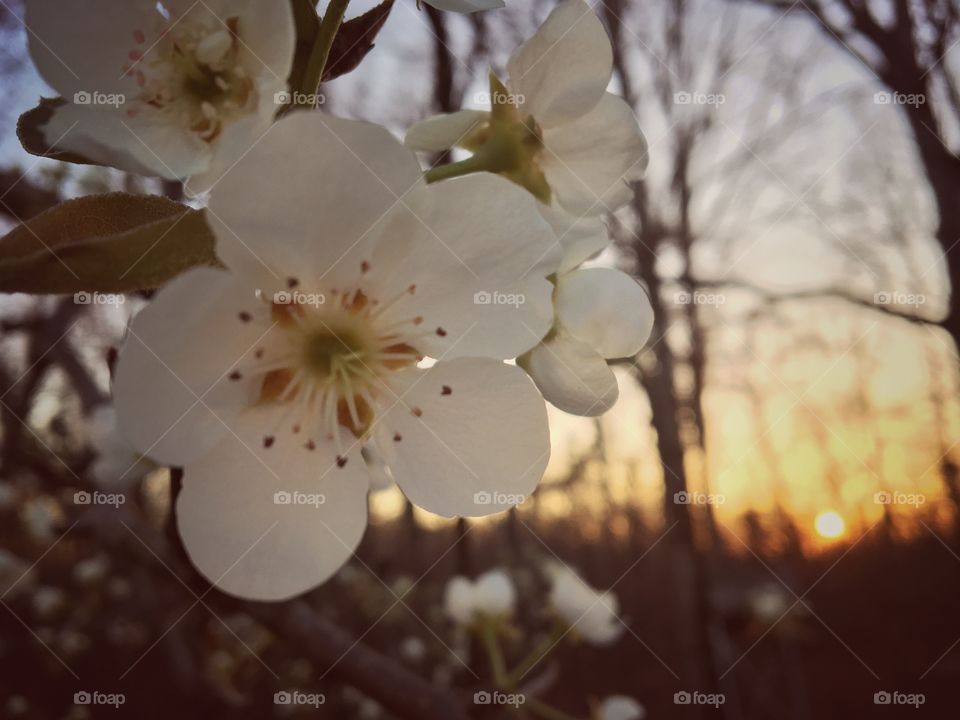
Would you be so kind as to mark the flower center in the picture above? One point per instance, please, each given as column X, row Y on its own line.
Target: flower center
column 330, row 359
column 192, row 72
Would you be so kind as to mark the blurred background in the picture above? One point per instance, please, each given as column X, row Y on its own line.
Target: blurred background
column 774, row 499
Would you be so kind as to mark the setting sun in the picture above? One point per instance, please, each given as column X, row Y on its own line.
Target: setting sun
column 829, row 524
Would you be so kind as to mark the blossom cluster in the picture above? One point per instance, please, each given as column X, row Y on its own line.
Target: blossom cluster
column 339, row 342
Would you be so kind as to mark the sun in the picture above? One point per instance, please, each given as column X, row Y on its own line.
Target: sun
column 829, row 524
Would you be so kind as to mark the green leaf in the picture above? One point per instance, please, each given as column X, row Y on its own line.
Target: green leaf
column 111, row 243
column 30, row 132
column 307, row 26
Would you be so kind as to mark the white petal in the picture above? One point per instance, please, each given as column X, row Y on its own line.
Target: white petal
column 442, row 132
column 480, row 443
column 458, row 600
column 564, row 69
column 271, row 523
column 84, row 46
column 309, row 193
column 171, row 389
column 592, row 614
column 466, row 6
column 620, row 707
column 479, row 253
column 268, row 37
column 496, row 594
column 606, row 309
column 380, row 478
column 572, row 376
column 580, row 237
column 589, row 162
column 144, row 144
column 116, row 465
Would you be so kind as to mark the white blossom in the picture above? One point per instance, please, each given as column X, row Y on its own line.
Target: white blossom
column 553, row 127
column 175, row 89
column 591, row 613
column 116, row 464
column 264, row 380
column 491, row 595
column 620, row 707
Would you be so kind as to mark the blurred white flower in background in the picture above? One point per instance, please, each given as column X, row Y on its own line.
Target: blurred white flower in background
column 553, row 127
column 592, row 614
column 177, row 89
column 492, row 595
column 620, row 707
column 263, row 381
column 16, row 575
column 117, row 464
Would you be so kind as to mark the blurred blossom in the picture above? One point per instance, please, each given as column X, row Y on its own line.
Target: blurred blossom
column 592, row 614
column 413, row 648
column 620, row 707
column 8, row 496
column 41, row 516
column 116, row 464
column 91, row 570
column 492, row 595
column 16, row 575
column 47, row 601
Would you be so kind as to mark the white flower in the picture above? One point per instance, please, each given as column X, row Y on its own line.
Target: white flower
column 553, row 128
column 176, row 89
column 592, row 614
column 264, row 380
column 620, row 707
column 466, row 6
column 600, row 313
column 116, row 463
column 492, row 595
